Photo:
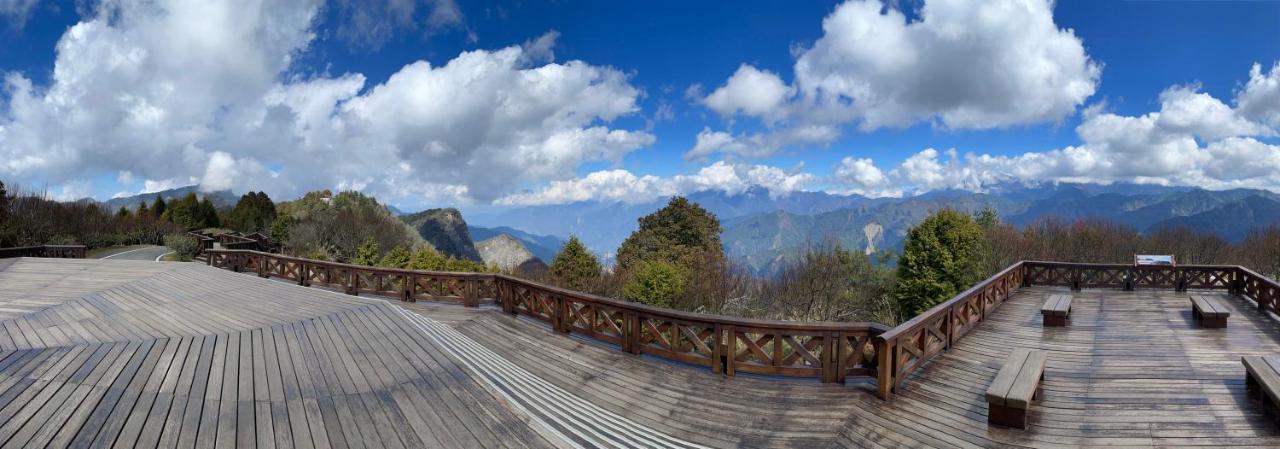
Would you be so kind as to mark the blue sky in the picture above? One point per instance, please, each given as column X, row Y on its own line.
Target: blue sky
column 1083, row 111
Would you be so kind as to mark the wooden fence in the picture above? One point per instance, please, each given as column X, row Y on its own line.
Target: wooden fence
column 55, row 251
column 832, row 352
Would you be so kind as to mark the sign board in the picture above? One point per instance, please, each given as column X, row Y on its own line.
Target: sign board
column 1153, row 259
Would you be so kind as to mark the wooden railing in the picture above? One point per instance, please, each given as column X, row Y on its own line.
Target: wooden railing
column 55, row 251
column 905, row 348
column 831, row 352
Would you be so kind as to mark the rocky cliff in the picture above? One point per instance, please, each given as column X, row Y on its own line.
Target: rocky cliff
column 445, row 230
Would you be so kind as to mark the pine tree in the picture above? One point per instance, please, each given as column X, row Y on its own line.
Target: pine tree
column 159, row 207
column 941, row 257
column 656, row 283
column 208, row 215
column 575, row 267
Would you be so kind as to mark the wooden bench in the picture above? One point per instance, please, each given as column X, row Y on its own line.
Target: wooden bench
column 1209, row 311
column 1017, row 383
column 1057, row 310
column 1262, row 377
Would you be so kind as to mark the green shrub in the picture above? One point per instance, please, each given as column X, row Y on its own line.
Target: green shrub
column 398, row 257
column 655, row 283
column 367, row 253
column 184, row 246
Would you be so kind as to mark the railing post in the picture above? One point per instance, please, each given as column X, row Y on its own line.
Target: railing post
column 828, row 357
column 560, row 315
column 352, row 281
column 469, row 298
column 730, row 351
column 1129, row 274
column 407, row 284
column 304, row 274
column 262, row 266
column 1075, row 279
column 1180, row 274
column 884, row 368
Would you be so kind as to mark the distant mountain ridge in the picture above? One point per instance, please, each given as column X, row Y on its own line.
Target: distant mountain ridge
column 762, row 230
column 220, row 198
column 544, row 247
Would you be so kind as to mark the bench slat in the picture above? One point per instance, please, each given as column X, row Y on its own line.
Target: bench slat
column 1024, row 387
column 1266, row 370
column 1209, row 307
column 1057, row 305
column 999, row 389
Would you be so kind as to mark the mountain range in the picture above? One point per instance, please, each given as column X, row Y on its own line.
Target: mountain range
column 761, row 230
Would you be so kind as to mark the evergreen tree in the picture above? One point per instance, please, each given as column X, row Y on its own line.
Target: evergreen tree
column 367, row 254
column 159, row 207
column 184, row 212
column 574, row 267
column 681, row 233
column 941, row 257
column 123, row 212
column 208, row 215
column 656, row 283
column 254, row 212
column 397, row 257
column 143, row 210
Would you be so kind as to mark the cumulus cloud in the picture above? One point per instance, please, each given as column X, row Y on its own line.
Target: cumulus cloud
column 624, row 186
column 181, row 92
column 961, row 65
column 750, row 91
column 1260, row 98
column 1194, row 139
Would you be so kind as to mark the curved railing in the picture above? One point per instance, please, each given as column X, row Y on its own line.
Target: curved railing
column 905, row 348
column 832, row 352
column 728, row 345
column 55, row 251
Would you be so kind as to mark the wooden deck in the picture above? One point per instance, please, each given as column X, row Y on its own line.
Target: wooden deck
column 130, row 354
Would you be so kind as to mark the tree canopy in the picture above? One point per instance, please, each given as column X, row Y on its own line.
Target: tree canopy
column 189, row 212
column 656, row 283
column 255, row 212
column 574, row 267
column 942, row 256
column 681, row 233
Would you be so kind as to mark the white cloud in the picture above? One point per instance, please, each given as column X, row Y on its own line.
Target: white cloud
column 962, row 65
column 750, row 91
column 178, row 92
column 860, row 173
column 1260, row 98
column 622, row 185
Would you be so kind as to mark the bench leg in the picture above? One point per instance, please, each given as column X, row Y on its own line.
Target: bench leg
column 1056, row 320
column 1214, row 323
column 1252, row 389
column 1001, row 415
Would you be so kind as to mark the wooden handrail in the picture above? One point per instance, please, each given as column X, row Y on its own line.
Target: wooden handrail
column 906, row 347
column 832, row 352
column 54, row 251
column 829, row 351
